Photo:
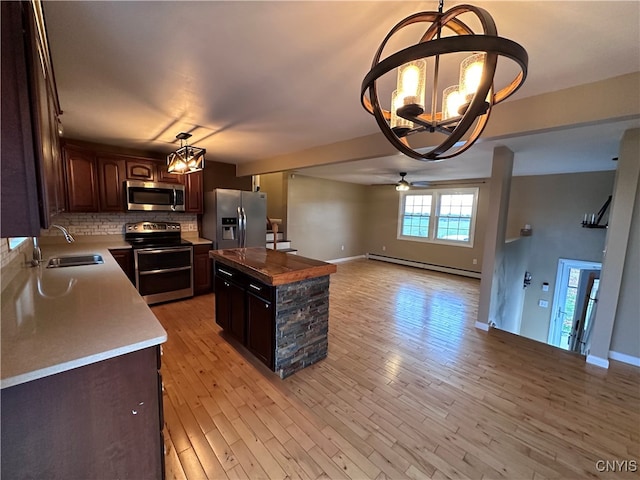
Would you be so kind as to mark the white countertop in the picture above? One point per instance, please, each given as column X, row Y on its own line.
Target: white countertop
column 57, row 319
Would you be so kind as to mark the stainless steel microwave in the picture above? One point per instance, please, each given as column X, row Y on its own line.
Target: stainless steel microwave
column 152, row 196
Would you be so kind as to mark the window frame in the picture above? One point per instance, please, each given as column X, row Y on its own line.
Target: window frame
column 436, row 195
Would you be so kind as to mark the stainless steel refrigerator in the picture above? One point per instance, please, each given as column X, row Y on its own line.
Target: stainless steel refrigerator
column 235, row 218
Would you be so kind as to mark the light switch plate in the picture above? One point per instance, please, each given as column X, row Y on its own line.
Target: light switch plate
column 543, row 303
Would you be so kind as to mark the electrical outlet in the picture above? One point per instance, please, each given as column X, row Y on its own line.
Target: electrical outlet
column 475, row 261
column 543, row 303
column 342, row 248
column 384, row 248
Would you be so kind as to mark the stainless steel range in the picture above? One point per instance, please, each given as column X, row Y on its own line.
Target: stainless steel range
column 163, row 261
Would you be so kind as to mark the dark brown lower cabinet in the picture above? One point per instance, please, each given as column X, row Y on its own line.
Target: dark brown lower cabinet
column 244, row 308
column 230, row 307
column 202, row 271
column 261, row 328
column 102, row 420
column 124, row 257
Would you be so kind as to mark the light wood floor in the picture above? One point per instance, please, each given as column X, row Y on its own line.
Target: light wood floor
column 410, row 389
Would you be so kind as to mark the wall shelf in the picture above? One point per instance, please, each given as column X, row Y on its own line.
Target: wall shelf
column 594, row 222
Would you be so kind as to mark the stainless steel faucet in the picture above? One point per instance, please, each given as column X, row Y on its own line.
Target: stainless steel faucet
column 67, row 236
column 36, row 259
column 37, row 252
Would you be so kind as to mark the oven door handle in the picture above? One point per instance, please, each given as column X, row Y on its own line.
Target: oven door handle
column 164, row 270
column 162, row 250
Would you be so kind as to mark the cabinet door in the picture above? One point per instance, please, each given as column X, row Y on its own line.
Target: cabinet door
column 51, row 157
column 194, row 192
column 223, row 302
column 110, row 180
column 165, row 177
column 31, row 161
column 124, row 257
column 101, row 420
column 261, row 328
column 140, row 169
column 201, row 269
column 237, row 322
column 81, row 173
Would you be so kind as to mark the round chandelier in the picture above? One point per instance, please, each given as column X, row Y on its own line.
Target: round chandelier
column 462, row 106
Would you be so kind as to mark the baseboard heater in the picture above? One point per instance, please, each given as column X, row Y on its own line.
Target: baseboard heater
column 425, row 266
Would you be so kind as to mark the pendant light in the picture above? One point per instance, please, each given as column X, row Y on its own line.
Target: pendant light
column 187, row 159
column 403, row 185
column 460, row 107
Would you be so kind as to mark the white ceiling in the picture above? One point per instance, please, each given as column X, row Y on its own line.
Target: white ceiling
column 253, row 80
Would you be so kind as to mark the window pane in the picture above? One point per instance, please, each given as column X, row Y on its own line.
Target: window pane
column 454, row 217
column 416, row 215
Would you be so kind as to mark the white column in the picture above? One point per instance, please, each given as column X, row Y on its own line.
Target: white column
column 624, row 194
column 499, row 189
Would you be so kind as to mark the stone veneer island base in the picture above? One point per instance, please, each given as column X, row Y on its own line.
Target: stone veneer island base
column 276, row 304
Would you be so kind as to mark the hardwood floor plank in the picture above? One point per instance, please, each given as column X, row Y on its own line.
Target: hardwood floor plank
column 191, row 464
column 410, row 389
column 247, row 461
column 173, row 467
column 222, row 450
column 291, row 467
column 258, row 449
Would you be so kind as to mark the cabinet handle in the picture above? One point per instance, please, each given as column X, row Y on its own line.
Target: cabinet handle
column 226, row 284
column 229, row 274
column 255, row 287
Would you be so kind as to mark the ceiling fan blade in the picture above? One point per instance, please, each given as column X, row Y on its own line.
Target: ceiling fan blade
column 421, row 183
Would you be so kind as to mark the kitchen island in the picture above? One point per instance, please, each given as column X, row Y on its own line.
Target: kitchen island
column 274, row 303
column 81, row 395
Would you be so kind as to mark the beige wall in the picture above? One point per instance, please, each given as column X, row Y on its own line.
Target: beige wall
column 324, row 215
column 626, row 330
column 382, row 232
column 275, row 186
column 554, row 206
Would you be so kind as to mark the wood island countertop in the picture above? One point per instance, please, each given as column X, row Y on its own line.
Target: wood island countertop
column 271, row 266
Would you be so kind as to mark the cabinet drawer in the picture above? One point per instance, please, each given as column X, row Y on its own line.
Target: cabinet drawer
column 260, row 290
column 231, row 274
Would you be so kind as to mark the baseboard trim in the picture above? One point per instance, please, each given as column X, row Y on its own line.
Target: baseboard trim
column 624, row 358
column 597, row 361
column 482, row 326
column 425, row 266
column 346, row 259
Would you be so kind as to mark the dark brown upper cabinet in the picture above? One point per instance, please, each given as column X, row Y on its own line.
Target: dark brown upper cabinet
column 139, row 169
column 194, row 192
column 32, row 182
column 164, row 176
column 111, row 177
column 82, row 179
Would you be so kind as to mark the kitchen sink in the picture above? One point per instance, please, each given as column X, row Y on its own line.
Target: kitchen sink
column 74, row 260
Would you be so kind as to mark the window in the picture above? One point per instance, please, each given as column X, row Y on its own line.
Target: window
column 15, row 242
column 440, row 216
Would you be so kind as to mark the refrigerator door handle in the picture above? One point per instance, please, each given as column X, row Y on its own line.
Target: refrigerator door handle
column 244, row 228
column 240, row 228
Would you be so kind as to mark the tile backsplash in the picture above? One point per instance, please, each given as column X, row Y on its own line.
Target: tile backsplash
column 113, row 223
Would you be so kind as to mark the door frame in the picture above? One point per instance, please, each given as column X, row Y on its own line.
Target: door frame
column 564, row 264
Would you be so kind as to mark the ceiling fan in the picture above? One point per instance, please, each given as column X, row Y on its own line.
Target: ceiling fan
column 402, row 185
